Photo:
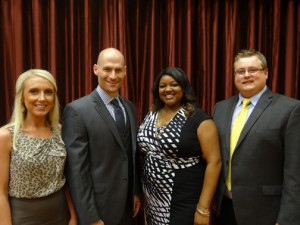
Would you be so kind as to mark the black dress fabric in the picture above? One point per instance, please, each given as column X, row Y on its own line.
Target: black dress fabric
column 173, row 168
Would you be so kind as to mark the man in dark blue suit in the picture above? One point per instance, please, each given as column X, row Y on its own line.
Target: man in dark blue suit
column 101, row 169
column 264, row 186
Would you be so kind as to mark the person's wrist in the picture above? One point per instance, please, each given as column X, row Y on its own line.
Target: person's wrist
column 203, row 211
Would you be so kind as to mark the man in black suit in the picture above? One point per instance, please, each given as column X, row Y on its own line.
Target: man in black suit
column 264, row 186
column 101, row 170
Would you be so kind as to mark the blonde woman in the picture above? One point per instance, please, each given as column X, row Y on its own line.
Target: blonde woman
column 32, row 157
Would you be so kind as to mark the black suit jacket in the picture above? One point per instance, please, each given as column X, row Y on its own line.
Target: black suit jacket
column 266, row 161
column 97, row 162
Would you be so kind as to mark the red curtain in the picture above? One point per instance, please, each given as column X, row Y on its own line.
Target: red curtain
column 200, row 36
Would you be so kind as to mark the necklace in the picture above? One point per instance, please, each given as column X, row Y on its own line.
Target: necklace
column 159, row 130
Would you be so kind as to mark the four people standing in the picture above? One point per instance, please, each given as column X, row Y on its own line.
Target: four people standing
column 181, row 156
column 101, row 169
column 260, row 182
column 259, row 140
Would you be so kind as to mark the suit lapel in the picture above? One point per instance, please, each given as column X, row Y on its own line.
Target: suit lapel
column 260, row 107
column 104, row 113
column 229, row 113
column 130, row 120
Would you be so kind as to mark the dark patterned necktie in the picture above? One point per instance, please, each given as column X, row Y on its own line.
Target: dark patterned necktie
column 120, row 120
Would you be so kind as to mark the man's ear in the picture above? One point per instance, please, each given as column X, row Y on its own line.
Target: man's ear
column 95, row 69
column 267, row 73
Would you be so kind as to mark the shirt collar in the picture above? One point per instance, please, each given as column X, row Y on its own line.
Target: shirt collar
column 105, row 97
column 254, row 99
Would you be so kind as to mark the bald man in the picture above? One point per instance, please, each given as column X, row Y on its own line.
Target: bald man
column 101, row 168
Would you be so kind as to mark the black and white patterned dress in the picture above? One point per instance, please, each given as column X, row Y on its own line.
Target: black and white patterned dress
column 173, row 168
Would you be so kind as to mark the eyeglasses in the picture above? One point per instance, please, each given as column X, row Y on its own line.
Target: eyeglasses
column 251, row 71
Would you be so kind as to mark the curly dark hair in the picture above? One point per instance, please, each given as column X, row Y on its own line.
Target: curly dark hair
column 188, row 98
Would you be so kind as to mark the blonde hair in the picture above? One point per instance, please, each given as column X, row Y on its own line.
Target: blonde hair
column 244, row 53
column 20, row 112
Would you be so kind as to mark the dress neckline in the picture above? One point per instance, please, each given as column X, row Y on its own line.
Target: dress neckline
column 38, row 138
column 159, row 130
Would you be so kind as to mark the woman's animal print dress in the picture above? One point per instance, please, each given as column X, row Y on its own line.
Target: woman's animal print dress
column 36, row 166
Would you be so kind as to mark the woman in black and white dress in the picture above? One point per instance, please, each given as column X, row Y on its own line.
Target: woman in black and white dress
column 181, row 156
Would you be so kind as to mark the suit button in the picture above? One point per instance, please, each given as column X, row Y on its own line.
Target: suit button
column 124, row 158
column 125, row 180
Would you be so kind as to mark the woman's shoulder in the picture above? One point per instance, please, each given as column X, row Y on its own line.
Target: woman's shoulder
column 199, row 114
column 150, row 114
column 197, row 117
column 56, row 130
column 5, row 132
column 5, row 137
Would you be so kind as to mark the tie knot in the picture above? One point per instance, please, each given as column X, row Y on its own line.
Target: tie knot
column 246, row 102
column 115, row 103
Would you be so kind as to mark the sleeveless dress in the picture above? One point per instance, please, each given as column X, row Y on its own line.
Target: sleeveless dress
column 36, row 181
column 173, row 169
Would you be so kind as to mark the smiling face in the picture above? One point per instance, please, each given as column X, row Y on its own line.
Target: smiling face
column 38, row 96
column 170, row 92
column 250, row 84
column 110, row 70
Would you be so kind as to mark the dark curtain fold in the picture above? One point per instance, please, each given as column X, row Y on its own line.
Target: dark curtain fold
column 201, row 37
